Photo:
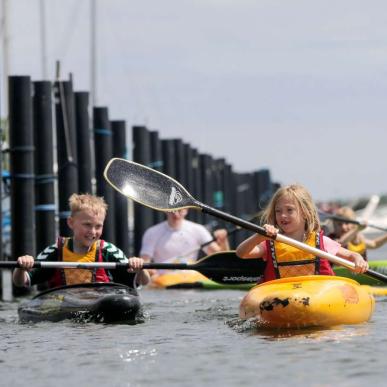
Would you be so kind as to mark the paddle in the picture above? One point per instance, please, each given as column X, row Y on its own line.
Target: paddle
column 224, row 267
column 370, row 208
column 160, row 192
column 337, row 218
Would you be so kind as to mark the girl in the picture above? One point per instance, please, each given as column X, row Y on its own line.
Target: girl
column 292, row 213
column 349, row 235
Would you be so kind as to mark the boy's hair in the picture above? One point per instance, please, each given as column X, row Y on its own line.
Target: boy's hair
column 87, row 202
column 304, row 201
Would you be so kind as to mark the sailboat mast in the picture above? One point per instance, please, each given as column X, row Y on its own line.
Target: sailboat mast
column 93, row 52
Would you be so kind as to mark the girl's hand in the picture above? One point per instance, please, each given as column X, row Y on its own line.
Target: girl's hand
column 135, row 264
column 271, row 231
column 25, row 262
column 361, row 265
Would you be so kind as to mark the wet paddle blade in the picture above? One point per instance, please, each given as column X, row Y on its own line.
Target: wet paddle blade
column 147, row 186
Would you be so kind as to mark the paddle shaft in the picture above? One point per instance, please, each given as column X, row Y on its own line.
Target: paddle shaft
column 289, row 241
column 100, row 265
column 338, row 218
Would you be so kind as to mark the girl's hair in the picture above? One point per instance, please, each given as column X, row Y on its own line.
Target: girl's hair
column 87, row 202
column 346, row 212
column 304, row 201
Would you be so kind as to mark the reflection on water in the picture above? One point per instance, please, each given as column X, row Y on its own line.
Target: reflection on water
column 252, row 327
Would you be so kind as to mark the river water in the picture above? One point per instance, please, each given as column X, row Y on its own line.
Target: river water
column 191, row 338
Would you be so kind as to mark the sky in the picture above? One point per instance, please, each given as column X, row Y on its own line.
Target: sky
column 299, row 87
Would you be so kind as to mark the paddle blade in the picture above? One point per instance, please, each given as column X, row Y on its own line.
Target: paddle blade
column 147, row 186
column 227, row 268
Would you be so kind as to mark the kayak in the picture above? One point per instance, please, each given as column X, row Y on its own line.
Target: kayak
column 90, row 302
column 379, row 266
column 223, row 270
column 191, row 279
column 308, row 301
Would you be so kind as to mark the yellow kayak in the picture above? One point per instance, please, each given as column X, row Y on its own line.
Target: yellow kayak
column 308, row 301
column 178, row 278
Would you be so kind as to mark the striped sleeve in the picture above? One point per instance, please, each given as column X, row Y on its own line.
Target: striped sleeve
column 112, row 253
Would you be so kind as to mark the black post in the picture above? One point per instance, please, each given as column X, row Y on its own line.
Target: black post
column 263, row 187
column 169, row 158
column 157, row 164
column 84, row 153
column 143, row 217
column 21, row 167
column 180, row 162
column 196, row 216
column 45, row 206
column 206, row 174
column 66, row 150
column 103, row 153
column 120, row 201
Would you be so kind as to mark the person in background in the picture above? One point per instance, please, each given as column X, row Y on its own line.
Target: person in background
column 292, row 212
column 86, row 222
column 179, row 240
column 349, row 235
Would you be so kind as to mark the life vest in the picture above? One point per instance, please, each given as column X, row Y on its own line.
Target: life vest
column 77, row 276
column 360, row 248
column 288, row 261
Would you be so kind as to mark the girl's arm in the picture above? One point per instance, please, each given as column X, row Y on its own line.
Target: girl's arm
column 349, row 236
column 251, row 247
column 377, row 242
column 360, row 264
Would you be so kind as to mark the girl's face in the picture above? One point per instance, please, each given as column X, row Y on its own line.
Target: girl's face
column 288, row 215
column 341, row 228
column 87, row 227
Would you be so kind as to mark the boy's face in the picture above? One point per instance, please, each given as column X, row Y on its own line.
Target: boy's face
column 87, row 227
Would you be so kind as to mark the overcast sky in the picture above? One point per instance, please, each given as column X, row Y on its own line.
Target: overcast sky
column 299, row 87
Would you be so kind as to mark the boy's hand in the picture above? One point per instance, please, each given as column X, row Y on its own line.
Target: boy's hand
column 26, row 262
column 135, row 264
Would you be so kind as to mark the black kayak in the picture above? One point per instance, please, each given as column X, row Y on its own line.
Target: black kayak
column 92, row 302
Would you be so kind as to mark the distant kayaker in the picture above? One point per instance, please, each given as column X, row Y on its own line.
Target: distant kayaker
column 292, row 212
column 179, row 240
column 349, row 235
column 86, row 221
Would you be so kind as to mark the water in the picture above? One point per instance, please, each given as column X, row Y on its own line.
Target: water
column 191, row 338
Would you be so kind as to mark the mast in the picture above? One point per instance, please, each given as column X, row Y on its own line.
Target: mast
column 93, row 52
column 43, row 39
column 5, row 44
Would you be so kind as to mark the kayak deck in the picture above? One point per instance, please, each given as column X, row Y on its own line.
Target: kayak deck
column 308, row 301
column 91, row 302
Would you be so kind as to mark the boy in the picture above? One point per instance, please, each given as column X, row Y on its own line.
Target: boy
column 86, row 222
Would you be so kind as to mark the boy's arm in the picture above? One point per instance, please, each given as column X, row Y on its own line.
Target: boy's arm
column 20, row 276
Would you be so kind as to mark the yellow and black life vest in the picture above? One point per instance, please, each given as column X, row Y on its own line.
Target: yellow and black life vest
column 289, row 261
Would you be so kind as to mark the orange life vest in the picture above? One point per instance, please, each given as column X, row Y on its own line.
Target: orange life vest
column 78, row 276
column 289, row 261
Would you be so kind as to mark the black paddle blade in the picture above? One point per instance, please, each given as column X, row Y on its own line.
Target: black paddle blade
column 147, row 186
column 227, row 268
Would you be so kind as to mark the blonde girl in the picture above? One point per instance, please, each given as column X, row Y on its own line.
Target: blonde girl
column 292, row 213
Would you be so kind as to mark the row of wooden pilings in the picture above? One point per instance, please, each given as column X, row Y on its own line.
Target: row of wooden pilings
column 59, row 145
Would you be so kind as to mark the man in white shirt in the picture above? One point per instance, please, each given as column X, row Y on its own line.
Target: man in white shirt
column 180, row 240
